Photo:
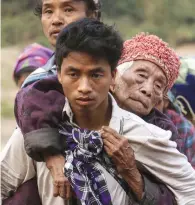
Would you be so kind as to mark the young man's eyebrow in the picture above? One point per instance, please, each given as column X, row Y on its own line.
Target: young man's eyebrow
column 98, row 69
column 73, row 69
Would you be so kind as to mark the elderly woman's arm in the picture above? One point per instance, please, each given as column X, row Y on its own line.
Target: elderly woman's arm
column 147, row 189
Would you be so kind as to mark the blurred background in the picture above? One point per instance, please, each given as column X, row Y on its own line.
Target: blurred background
column 172, row 20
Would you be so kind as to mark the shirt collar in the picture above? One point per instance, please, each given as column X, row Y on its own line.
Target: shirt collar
column 116, row 121
column 68, row 111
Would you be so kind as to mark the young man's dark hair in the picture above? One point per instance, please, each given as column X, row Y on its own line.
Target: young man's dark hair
column 91, row 7
column 92, row 37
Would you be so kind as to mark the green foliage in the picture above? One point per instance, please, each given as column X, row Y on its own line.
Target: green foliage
column 172, row 20
column 21, row 28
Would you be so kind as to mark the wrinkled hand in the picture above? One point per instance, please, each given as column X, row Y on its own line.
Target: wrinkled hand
column 61, row 184
column 121, row 153
column 119, row 149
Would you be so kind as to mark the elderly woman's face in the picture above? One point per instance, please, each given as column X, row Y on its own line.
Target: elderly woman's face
column 140, row 88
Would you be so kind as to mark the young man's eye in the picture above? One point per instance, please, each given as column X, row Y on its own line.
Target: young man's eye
column 68, row 9
column 73, row 75
column 96, row 75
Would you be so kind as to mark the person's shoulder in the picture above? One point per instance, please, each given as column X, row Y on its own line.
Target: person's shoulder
column 132, row 121
column 17, row 133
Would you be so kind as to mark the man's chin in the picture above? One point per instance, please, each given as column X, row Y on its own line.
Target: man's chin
column 85, row 109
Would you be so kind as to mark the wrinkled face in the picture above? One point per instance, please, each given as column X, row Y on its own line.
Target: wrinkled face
column 140, row 88
column 57, row 14
column 86, row 81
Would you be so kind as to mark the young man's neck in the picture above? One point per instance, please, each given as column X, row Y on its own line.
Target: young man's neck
column 94, row 120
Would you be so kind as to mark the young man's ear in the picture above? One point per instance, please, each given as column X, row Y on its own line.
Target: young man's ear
column 113, row 73
column 112, row 86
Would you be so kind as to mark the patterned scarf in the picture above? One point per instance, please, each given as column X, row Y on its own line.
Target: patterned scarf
column 84, row 149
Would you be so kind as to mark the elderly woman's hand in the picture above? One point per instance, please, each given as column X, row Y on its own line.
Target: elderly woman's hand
column 61, row 184
column 120, row 151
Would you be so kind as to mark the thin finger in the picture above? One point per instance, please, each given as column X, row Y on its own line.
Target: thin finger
column 108, row 151
column 109, row 137
column 108, row 143
column 55, row 190
column 62, row 190
column 109, row 148
column 111, row 131
column 68, row 191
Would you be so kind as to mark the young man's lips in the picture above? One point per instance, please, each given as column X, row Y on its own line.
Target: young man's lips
column 84, row 101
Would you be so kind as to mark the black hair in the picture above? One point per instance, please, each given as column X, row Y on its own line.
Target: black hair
column 91, row 7
column 90, row 36
column 28, row 70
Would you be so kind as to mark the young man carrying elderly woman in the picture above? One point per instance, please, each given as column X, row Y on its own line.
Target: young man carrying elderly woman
column 40, row 106
column 82, row 72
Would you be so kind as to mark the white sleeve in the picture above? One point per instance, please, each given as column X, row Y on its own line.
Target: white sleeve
column 161, row 158
column 16, row 166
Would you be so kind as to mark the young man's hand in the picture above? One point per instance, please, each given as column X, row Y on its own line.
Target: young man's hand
column 119, row 149
column 61, row 184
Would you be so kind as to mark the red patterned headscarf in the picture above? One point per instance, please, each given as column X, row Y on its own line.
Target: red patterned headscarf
column 153, row 49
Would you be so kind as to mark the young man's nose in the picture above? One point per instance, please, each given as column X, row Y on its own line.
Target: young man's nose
column 84, row 86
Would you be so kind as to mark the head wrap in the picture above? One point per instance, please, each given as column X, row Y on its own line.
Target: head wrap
column 184, row 87
column 153, row 49
column 33, row 57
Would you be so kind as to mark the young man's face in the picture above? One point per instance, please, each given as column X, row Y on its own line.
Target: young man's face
column 57, row 14
column 86, row 81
